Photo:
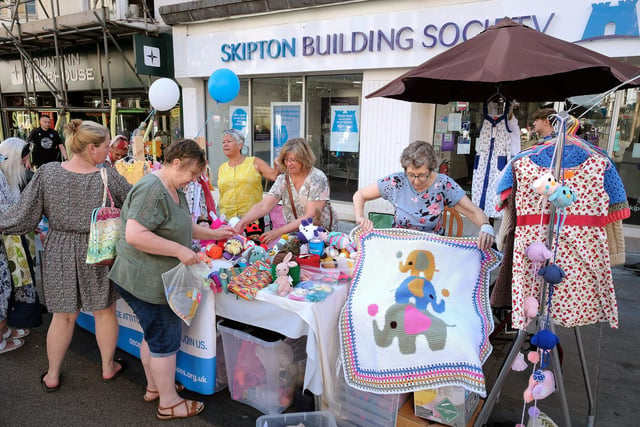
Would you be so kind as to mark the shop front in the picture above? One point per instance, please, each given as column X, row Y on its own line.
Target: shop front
column 26, row 93
column 306, row 73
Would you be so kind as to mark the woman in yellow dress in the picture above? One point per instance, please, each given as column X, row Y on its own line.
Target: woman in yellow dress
column 240, row 178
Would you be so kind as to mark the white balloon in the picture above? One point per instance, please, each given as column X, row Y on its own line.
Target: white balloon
column 164, row 94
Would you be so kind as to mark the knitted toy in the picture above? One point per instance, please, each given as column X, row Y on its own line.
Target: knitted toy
column 307, row 230
column 336, row 243
column 545, row 185
column 233, row 248
column 214, row 224
column 253, row 232
column 254, row 253
column 284, row 281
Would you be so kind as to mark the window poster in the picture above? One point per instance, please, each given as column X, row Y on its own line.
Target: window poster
column 454, row 122
column 239, row 118
column 345, row 134
column 286, row 123
column 441, row 124
column 464, row 145
column 447, row 142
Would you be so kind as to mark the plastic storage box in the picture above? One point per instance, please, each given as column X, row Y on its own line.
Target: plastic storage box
column 356, row 408
column 221, row 368
column 308, row 419
column 264, row 368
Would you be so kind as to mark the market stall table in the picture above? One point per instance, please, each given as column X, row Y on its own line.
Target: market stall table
column 196, row 360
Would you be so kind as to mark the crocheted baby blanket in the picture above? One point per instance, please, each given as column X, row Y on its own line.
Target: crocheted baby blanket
column 418, row 314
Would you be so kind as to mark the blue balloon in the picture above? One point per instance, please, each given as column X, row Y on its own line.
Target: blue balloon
column 223, row 85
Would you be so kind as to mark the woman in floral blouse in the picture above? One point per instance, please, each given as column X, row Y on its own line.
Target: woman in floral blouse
column 419, row 195
column 309, row 193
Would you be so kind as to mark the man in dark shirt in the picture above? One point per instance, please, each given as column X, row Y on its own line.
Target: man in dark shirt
column 47, row 145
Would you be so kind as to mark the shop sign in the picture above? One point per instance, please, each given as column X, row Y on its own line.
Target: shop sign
column 81, row 72
column 75, row 70
column 397, row 39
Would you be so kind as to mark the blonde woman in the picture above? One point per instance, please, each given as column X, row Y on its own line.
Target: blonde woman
column 15, row 265
column 67, row 193
column 303, row 190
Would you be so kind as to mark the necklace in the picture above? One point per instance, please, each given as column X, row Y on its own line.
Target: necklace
column 235, row 162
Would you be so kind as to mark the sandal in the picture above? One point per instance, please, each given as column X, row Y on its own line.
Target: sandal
column 193, row 408
column 179, row 388
column 15, row 333
column 10, row 344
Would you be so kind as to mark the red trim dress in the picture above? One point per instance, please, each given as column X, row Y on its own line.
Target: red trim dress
column 586, row 295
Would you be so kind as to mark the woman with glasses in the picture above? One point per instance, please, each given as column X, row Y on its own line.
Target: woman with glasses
column 240, row 178
column 420, row 194
column 303, row 190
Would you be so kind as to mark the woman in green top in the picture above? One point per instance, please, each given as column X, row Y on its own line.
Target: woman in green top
column 158, row 234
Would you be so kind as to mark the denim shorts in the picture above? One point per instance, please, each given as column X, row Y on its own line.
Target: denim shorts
column 162, row 328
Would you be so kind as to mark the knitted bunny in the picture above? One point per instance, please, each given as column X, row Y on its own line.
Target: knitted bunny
column 283, row 280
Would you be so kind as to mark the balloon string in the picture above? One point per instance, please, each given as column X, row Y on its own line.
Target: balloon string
column 205, row 124
column 148, row 130
column 153, row 112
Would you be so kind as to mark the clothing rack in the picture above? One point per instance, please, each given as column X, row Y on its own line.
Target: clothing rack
column 521, row 336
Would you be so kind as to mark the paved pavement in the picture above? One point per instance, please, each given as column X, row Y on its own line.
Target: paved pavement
column 84, row 400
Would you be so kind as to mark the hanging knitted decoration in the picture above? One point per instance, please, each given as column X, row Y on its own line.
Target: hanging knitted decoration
column 545, row 185
column 552, row 274
column 538, row 253
column 562, row 198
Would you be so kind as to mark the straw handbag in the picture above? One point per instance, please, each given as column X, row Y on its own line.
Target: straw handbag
column 105, row 229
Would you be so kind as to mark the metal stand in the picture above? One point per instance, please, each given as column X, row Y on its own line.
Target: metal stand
column 492, row 398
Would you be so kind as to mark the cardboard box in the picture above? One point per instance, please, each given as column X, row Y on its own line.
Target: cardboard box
column 407, row 417
column 451, row 405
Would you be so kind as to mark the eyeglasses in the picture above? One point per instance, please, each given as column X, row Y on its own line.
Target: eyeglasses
column 291, row 160
column 421, row 178
column 235, row 134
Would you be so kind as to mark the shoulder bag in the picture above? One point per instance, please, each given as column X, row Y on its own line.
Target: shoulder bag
column 105, row 229
column 293, row 206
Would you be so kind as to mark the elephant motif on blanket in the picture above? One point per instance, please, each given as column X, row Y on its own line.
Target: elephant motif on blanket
column 419, row 261
column 406, row 322
column 422, row 292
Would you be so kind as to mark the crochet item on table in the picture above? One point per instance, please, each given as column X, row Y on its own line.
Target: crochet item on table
column 415, row 319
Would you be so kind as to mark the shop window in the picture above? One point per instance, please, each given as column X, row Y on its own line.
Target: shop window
column 626, row 150
column 457, row 128
column 333, row 129
column 277, row 114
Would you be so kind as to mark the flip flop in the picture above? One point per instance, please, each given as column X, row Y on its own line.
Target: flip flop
column 123, row 367
column 46, row 387
column 17, row 343
column 17, row 333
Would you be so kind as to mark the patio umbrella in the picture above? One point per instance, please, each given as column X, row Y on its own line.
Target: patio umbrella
column 514, row 61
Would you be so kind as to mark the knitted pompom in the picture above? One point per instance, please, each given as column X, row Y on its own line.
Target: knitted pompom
column 545, row 339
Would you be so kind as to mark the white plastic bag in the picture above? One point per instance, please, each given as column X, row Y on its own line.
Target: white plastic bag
column 183, row 287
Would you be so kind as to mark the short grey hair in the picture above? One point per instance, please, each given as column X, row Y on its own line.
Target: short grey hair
column 418, row 154
column 235, row 134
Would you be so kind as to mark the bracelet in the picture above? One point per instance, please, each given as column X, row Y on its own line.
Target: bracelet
column 487, row 228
